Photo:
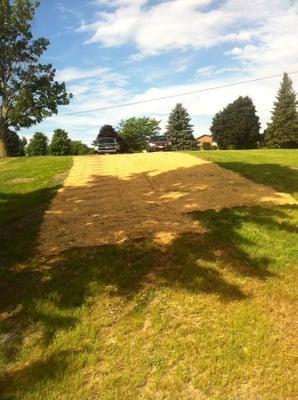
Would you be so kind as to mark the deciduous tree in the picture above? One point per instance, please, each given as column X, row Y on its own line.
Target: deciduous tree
column 15, row 144
column 60, row 143
column 237, row 125
column 38, row 145
column 28, row 89
column 79, row 149
column 136, row 131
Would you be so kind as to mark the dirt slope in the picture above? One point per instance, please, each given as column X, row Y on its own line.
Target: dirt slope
column 109, row 199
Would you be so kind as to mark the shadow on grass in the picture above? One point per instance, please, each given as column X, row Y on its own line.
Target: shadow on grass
column 19, row 235
column 53, row 368
column 280, row 177
column 48, row 291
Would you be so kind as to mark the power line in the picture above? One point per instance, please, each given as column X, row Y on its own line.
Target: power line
column 176, row 95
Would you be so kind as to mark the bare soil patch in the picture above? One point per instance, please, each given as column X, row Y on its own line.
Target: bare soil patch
column 21, row 180
column 110, row 199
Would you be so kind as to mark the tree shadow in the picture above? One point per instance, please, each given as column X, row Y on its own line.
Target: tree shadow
column 280, row 177
column 193, row 262
column 25, row 378
column 19, row 235
column 64, row 281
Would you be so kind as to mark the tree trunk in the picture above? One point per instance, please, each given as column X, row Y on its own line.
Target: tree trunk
column 3, row 146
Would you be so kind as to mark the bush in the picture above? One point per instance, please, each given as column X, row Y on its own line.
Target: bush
column 206, row 146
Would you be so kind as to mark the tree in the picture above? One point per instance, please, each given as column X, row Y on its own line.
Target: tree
column 60, row 144
column 237, row 125
column 28, row 90
column 136, row 131
column 38, row 145
column 108, row 131
column 282, row 131
column 79, row 149
column 15, row 145
column 179, row 129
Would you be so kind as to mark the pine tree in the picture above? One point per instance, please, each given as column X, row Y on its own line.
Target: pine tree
column 108, row 131
column 237, row 125
column 179, row 129
column 282, row 132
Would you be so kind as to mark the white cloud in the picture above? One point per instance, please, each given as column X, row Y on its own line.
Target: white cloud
column 63, row 10
column 92, row 94
column 181, row 64
column 212, row 70
column 276, row 46
column 262, row 40
column 178, row 24
column 104, row 74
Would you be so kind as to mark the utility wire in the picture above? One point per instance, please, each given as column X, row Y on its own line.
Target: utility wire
column 176, row 95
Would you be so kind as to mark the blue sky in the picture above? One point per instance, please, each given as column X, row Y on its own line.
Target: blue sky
column 117, row 51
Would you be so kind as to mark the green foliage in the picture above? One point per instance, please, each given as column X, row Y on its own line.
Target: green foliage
column 179, row 130
column 205, row 311
column 282, row 132
column 108, row 131
column 28, row 90
column 15, row 145
column 38, row 145
column 60, row 144
column 237, row 125
column 79, row 149
column 136, row 131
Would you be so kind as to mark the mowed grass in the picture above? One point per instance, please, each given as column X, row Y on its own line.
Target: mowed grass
column 26, row 183
column 212, row 316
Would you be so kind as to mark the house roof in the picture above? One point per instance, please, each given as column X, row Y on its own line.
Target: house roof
column 200, row 137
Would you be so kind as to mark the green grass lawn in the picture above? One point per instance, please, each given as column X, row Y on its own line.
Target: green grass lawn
column 210, row 317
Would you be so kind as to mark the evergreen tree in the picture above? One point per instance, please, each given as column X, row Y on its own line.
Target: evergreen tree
column 237, row 125
column 179, row 129
column 38, row 145
column 109, row 131
column 60, row 144
column 28, row 90
column 282, row 132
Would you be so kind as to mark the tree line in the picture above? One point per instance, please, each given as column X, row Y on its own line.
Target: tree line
column 237, row 126
column 133, row 133
column 60, row 145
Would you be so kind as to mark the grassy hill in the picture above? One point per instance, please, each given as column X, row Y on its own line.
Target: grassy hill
column 209, row 317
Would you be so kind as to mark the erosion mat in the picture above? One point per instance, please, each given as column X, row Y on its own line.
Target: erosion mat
column 112, row 199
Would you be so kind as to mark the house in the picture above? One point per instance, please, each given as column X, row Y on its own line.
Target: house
column 201, row 140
